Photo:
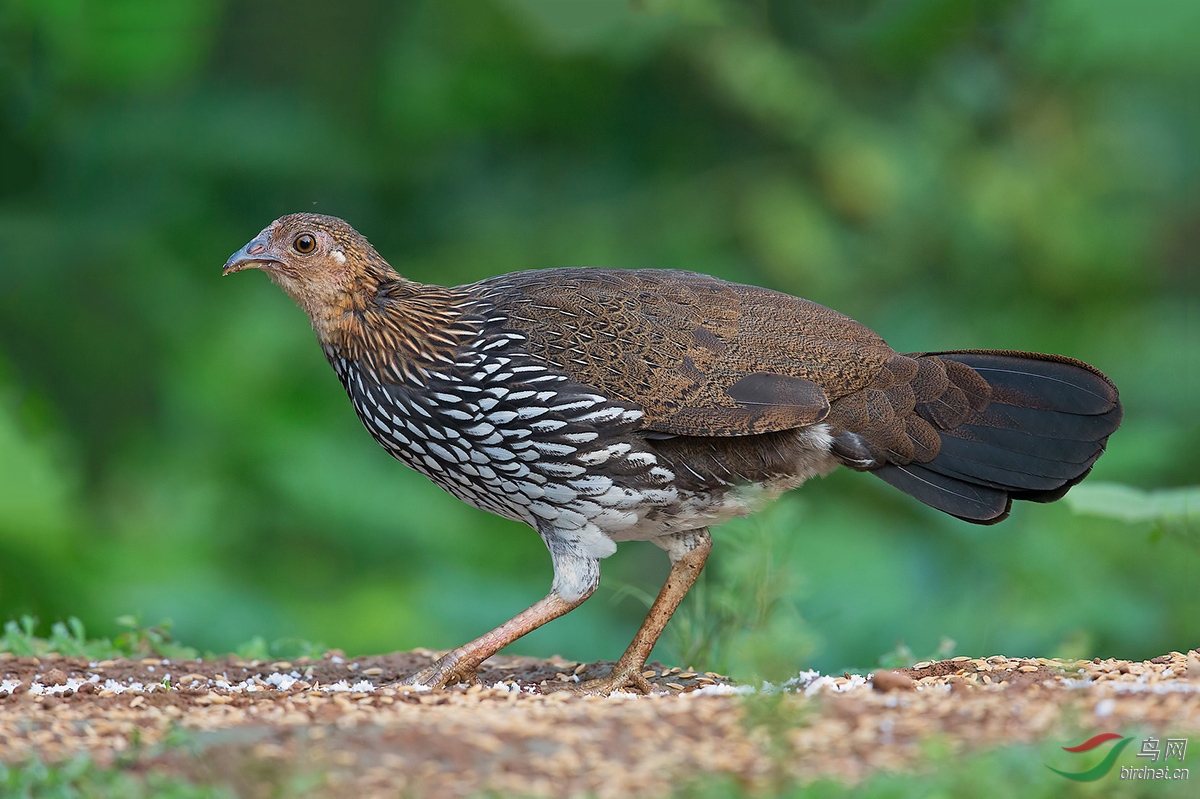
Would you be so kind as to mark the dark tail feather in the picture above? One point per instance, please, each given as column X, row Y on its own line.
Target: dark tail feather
column 1048, row 421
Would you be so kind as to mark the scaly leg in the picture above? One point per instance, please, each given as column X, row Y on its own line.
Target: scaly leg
column 687, row 551
column 575, row 579
column 459, row 665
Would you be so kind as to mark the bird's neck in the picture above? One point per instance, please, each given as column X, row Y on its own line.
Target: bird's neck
column 396, row 329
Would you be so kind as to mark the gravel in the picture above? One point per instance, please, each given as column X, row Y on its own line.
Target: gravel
column 523, row 730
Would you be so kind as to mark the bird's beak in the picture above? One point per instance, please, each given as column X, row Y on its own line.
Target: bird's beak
column 253, row 256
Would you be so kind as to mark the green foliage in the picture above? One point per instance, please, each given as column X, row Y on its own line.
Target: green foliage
column 1009, row 772
column 180, row 766
column 1170, row 511
column 1017, row 772
column 70, row 640
column 137, row 641
column 141, row 641
column 902, row 657
column 65, row 639
column 998, row 174
column 82, row 779
column 257, row 648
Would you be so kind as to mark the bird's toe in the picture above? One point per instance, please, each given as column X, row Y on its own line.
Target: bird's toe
column 626, row 679
column 446, row 670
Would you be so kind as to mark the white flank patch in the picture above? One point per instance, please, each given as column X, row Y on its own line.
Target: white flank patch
column 560, row 469
column 570, row 406
column 481, row 429
column 602, row 415
column 592, row 485
column 602, row 455
column 555, row 492
column 551, row 448
column 497, row 454
column 441, row 452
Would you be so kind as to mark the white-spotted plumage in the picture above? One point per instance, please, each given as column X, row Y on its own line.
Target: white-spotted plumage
column 510, row 434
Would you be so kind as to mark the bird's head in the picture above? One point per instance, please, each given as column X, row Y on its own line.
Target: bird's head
column 320, row 261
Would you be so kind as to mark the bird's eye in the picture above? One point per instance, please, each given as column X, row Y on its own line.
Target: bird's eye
column 305, row 243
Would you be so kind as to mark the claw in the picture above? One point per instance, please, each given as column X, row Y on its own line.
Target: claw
column 622, row 678
column 449, row 669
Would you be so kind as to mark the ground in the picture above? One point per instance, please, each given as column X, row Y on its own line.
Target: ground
column 344, row 727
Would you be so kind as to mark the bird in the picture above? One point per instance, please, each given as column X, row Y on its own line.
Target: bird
column 602, row 405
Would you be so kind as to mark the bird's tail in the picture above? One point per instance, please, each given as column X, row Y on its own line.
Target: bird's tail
column 1032, row 434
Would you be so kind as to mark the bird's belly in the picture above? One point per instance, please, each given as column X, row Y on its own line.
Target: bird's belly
column 605, row 508
column 725, row 484
column 623, row 513
column 596, row 512
column 690, row 510
column 592, row 511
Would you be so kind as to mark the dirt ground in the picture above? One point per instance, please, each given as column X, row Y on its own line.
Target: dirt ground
column 523, row 730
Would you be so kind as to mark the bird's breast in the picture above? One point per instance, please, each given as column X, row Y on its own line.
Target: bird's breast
column 510, row 434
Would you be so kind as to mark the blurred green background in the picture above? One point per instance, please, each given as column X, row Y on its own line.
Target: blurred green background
column 954, row 174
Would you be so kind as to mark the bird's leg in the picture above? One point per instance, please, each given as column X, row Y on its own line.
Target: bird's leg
column 575, row 579
column 459, row 665
column 687, row 551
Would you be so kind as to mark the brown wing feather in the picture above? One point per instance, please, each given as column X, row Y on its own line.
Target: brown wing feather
column 702, row 356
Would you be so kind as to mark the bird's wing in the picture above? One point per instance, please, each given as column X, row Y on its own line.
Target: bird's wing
column 700, row 355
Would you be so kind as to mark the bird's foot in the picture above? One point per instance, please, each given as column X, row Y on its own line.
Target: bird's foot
column 450, row 669
column 624, row 677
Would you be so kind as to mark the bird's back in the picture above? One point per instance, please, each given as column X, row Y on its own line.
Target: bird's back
column 701, row 355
